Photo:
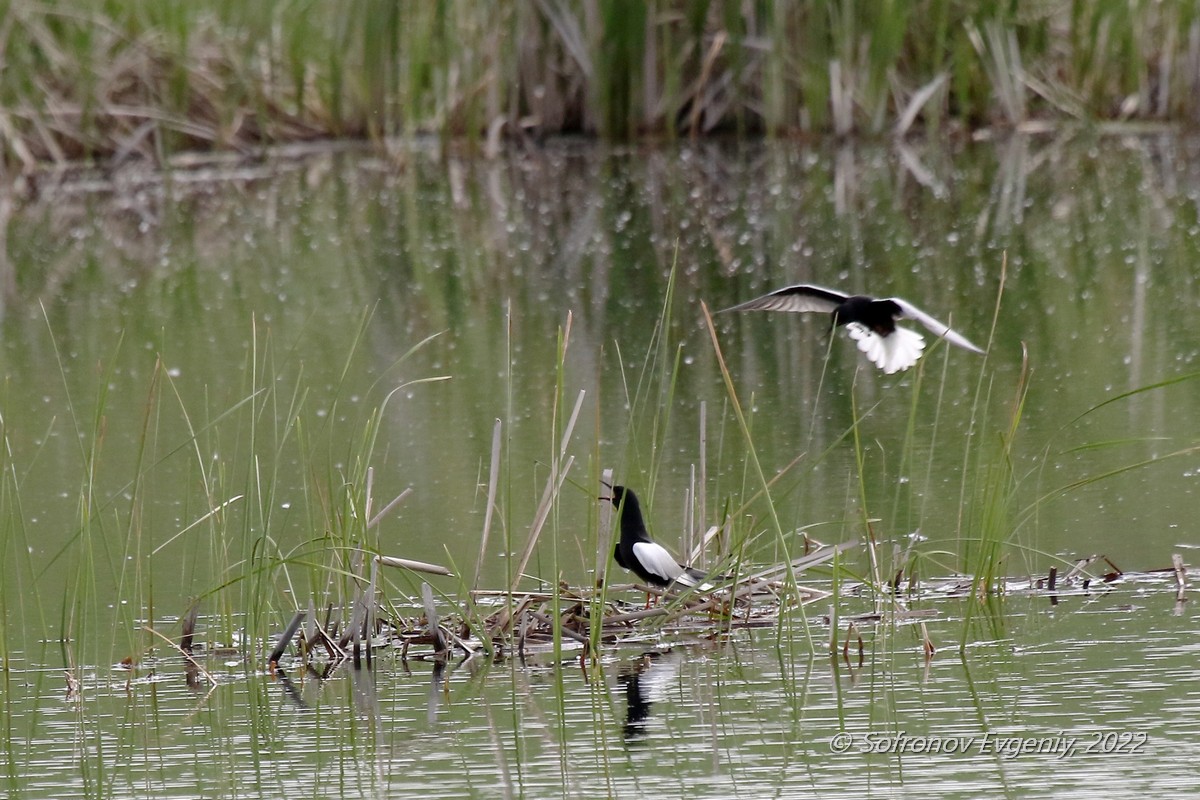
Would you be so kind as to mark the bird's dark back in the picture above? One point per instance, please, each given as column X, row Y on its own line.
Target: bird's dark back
column 878, row 315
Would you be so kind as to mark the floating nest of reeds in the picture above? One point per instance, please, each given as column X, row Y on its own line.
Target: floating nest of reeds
column 562, row 618
column 565, row 622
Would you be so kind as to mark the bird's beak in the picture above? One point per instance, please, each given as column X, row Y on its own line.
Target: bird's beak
column 609, row 485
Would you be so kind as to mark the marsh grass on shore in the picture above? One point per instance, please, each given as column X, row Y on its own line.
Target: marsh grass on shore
column 96, row 80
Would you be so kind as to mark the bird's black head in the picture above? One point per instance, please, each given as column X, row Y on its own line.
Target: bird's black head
column 629, row 512
column 628, row 507
column 619, row 494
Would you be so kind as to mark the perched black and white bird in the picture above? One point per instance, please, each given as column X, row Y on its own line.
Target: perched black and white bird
column 639, row 554
column 870, row 322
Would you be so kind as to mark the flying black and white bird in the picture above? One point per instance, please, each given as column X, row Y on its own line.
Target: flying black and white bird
column 870, row 322
column 638, row 553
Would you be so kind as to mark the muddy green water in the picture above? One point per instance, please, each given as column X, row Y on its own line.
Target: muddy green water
column 192, row 363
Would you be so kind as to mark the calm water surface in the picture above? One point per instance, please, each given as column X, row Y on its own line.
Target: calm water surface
column 1051, row 700
column 194, row 367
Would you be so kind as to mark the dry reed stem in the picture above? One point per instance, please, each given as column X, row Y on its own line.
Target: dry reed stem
column 553, row 486
column 397, row 500
column 415, row 566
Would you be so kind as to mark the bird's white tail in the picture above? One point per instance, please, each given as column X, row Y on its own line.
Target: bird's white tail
column 897, row 351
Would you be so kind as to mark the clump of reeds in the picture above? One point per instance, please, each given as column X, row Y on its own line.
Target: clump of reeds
column 98, row 80
column 562, row 619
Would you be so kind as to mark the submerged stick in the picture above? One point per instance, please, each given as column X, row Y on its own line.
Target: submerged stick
column 927, row 643
column 1116, row 571
column 189, row 627
column 353, row 631
column 431, row 617
column 73, row 682
column 309, row 634
column 286, row 637
column 1180, row 576
column 853, row 634
column 370, row 603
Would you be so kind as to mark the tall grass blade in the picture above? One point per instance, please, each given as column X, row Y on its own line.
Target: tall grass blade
column 489, row 512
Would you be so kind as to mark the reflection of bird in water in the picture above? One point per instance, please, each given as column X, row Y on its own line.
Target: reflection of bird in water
column 870, row 322
column 646, row 679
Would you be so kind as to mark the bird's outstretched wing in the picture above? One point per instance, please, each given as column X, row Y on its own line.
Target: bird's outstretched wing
column 939, row 329
column 801, row 297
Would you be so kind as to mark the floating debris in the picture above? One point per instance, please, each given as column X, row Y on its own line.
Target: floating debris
column 566, row 619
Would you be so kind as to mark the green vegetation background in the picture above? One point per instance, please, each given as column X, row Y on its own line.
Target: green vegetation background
column 98, row 78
